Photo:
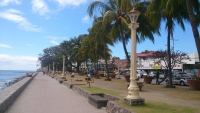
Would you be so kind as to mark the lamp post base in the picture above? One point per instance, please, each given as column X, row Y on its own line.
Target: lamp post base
column 134, row 101
column 63, row 77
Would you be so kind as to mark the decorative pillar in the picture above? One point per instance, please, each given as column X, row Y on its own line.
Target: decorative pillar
column 118, row 76
column 133, row 97
column 53, row 67
column 63, row 71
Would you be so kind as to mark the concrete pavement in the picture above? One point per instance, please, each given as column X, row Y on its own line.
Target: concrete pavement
column 46, row 95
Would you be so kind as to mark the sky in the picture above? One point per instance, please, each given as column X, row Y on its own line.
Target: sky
column 29, row 26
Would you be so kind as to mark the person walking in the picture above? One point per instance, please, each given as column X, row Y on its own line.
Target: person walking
column 157, row 77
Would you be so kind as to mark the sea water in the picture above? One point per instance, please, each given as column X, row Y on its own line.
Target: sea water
column 7, row 76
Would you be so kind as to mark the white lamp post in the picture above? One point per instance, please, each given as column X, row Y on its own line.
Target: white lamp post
column 63, row 71
column 49, row 69
column 53, row 67
column 118, row 59
column 133, row 97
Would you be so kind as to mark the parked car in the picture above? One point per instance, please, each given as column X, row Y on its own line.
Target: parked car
column 180, row 79
column 141, row 73
column 153, row 74
column 127, row 72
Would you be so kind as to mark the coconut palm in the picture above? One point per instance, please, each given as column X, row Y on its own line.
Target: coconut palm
column 166, row 10
column 91, row 45
column 76, row 56
column 101, row 34
column 116, row 14
column 193, row 8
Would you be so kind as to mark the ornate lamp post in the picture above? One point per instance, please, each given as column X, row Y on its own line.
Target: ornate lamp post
column 53, row 67
column 63, row 71
column 133, row 97
column 49, row 70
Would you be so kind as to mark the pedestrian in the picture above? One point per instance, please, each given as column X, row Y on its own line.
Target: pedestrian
column 157, row 77
column 91, row 72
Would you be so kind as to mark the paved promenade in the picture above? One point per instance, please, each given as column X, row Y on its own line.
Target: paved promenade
column 46, row 95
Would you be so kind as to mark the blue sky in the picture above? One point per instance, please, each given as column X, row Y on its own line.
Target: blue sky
column 29, row 26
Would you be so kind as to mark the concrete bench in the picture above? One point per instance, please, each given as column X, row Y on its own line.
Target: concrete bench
column 97, row 101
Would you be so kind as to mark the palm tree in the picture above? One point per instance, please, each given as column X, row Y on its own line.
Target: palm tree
column 101, row 34
column 75, row 57
column 167, row 10
column 91, row 45
column 193, row 6
column 116, row 14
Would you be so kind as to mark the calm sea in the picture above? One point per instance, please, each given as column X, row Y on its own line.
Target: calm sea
column 7, row 76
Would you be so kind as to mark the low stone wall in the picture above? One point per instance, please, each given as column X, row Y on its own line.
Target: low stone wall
column 111, row 98
column 8, row 95
column 68, row 85
column 112, row 107
column 81, row 91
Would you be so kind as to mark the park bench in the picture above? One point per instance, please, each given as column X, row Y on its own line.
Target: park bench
column 97, row 101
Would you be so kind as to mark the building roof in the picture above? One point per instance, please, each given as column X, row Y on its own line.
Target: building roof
column 144, row 54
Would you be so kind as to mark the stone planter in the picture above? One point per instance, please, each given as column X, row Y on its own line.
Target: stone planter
column 194, row 84
column 147, row 79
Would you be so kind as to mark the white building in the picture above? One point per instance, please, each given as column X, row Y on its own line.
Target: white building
column 146, row 61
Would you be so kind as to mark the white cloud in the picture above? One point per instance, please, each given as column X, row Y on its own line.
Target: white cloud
column 54, row 39
column 54, row 42
column 86, row 19
column 64, row 3
column 8, row 62
column 5, row 46
column 16, row 16
column 6, row 2
column 40, row 7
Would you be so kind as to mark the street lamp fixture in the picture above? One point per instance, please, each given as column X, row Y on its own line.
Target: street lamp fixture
column 134, row 14
column 133, row 97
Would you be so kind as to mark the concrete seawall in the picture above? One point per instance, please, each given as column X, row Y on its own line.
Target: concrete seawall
column 8, row 95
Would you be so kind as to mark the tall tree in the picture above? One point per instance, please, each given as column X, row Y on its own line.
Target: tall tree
column 167, row 10
column 116, row 14
column 193, row 8
column 102, row 35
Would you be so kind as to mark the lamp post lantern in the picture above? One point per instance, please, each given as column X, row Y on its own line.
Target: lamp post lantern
column 63, row 71
column 133, row 97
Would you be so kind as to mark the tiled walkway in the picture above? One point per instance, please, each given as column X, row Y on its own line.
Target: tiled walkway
column 46, row 95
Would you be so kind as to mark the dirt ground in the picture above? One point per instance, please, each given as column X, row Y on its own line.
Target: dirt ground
column 150, row 92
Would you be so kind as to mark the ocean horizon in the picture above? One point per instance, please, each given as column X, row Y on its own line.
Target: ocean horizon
column 7, row 76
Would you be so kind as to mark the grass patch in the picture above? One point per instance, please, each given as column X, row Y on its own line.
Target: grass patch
column 157, row 107
column 100, row 90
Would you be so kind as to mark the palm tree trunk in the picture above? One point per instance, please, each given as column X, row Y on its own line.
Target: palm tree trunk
column 96, row 70
column 193, row 25
column 78, row 65
column 108, row 78
column 169, row 55
column 124, row 46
